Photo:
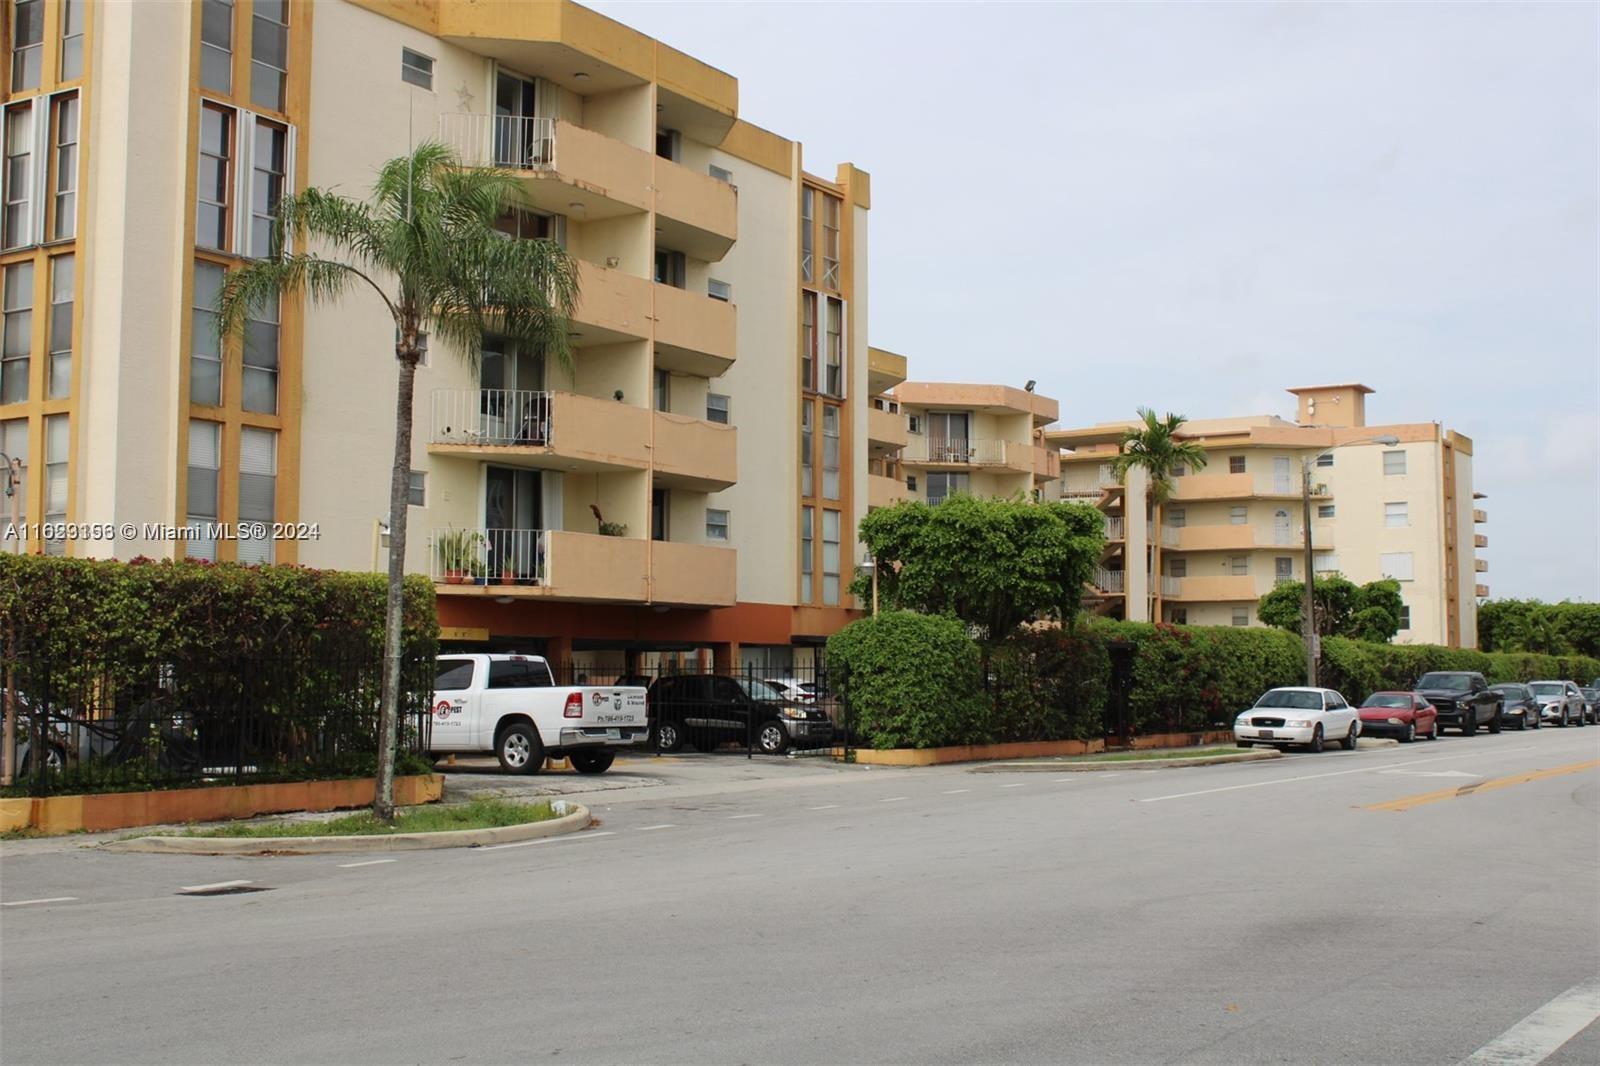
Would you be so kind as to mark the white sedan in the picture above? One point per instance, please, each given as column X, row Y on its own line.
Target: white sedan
column 1309, row 716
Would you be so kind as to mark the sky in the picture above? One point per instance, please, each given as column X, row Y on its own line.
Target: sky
column 1195, row 206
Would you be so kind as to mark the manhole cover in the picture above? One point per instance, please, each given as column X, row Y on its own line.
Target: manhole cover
column 223, row 888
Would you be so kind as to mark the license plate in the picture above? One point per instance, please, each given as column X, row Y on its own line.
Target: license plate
column 1266, row 733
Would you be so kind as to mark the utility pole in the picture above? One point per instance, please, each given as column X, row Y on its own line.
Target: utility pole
column 1309, row 608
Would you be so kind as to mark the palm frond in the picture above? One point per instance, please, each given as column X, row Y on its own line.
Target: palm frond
column 263, row 281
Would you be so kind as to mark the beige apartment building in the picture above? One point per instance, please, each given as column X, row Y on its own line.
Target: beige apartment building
column 649, row 501
column 1234, row 529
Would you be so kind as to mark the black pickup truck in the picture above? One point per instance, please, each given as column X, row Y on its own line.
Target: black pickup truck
column 1463, row 699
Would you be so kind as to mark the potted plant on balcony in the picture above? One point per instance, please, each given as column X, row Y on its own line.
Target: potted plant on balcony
column 452, row 555
column 608, row 529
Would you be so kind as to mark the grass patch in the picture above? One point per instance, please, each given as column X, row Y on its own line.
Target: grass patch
column 479, row 814
column 1159, row 753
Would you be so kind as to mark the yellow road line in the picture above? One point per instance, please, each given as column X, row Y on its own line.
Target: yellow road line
column 1405, row 803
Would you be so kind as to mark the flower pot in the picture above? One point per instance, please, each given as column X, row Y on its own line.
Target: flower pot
column 454, row 577
column 508, row 577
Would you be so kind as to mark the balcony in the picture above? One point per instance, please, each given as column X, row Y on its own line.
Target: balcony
column 955, row 454
column 1242, row 538
column 1080, row 484
column 1480, row 565
column 1046, row 462
column 538, row 563
column 1480, row 541
column 560, row 164
column 1171, row 587
column 885, row 370
column 1114, row 528
column 1480, row 591
column 886, row 429
column 697, row 214
column 694, row 333
column 694, row 575
column 692, row 453
column 543, row 430
column 1108, row 580
column 613, row 306
column 1230, row 587
column 1480, row 515
column 1239, row 487
column 884, row 491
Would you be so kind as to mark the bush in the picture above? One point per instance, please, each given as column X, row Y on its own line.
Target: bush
column 911, row 680
column 1049, row 684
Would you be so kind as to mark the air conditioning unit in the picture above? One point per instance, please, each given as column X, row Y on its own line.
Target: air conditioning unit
column 719, row 290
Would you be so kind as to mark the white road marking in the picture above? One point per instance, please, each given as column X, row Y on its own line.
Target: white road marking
column 731, row 817
column 1072, row 778
column 369, row 862
column 824, row 807
column 546, row 840
column 1429, row 773
column 212, row 888
column 893, row 799
column 1334, row 773
column 653, row 828
column 1538, row 1036
column 1018, row 784
column 957, row 791
column 31, row 902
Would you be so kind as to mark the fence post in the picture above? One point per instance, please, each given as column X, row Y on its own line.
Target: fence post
column 750, row 714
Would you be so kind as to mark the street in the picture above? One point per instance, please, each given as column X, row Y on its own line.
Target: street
column 1258, row 912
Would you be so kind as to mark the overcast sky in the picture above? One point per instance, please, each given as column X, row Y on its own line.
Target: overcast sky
column 1194, row 206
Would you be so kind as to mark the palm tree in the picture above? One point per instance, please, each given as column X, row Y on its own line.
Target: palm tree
column 1154, row 447
column 425, row 243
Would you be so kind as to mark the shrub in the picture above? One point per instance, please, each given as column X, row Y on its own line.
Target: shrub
column 911, row 680
column 1049, row 684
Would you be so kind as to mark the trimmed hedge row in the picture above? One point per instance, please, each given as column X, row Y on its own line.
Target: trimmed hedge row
column 919, row 681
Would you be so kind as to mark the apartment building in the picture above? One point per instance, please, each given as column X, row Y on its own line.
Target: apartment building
column 1235, row 528
column 648, row 501
column 986, row 440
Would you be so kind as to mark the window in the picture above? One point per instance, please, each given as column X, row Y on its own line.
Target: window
column 18, row 333
column 205, row 462
column 56, row 447
column 914, row 424
column 807, row 220
column 830, row 452
column 717, row 408
column 807, row 485
column 1179, row 470
column 942, row 485
column 1395, row 515
column 1177, row 567
column 14, row 442
column 911, row 483
column 1239, row 565
column 1325, row 510
column 1405, row 616
column 259, row 388
column 59, row 383
column 1394, row 462
column 216, row 45
column 1241, row 616
column 662, row 393
column 833, row 382
column 1325, row 562
column 269, row 54
column 72, row 39
column 205, row 347
column 19, row 177
column 258, row 489
column 416, row 68
column 671, row 268
column 668, row 144
column 1282, row 569
column 1180, row 616
column 64, row 160
column 27, row 44
column 515, row 673
column 830, row 558
column 1177, row 518
column 269, row 163
column 1397, row 565
column 1235, row 464
column 808, row 340
column 658, row 514
column 213, row 182
column 830, row 240
column 717, row 526
column 452, row 675
column 417, row 488
column 722, row 175
column 1325, row 459
column 1238, row 516
column 807, row 517
column 719, row 290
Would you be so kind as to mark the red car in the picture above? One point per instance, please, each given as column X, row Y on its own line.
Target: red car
column 1405, row 715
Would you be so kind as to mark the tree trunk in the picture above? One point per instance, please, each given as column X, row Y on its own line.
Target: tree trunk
column 394, row 605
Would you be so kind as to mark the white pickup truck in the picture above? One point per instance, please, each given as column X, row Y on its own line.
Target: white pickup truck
column 510, row 705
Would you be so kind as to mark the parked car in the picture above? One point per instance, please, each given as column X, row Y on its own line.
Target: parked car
column 707, row 710
column 1283, row 717
column 1559, row 702
column 511, row 705
column 1462, row 698
column 1591, row 701
column 1403, row 715
column 799, row 691
column 1517, row 706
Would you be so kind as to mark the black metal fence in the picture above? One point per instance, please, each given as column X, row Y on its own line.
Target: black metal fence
column 745, row 710
column 99, row 723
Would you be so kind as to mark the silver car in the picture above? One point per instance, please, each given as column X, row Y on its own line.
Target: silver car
column 1560, row 702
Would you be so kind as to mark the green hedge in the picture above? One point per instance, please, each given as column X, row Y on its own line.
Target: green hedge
column 1046, row 685
column 912, row 680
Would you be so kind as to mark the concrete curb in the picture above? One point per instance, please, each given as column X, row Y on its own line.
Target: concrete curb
column 578, row 818
column 1125, row 764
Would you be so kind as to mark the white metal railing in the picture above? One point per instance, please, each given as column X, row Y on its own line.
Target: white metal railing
column 1104, row 478
column 1171, row 536
column 1171, row 586
column 512, row 141
column 1110, row 580
column 1114, row 527
column 956, row 450
column 492, row 416
column 488, row 556
column 1149, row 532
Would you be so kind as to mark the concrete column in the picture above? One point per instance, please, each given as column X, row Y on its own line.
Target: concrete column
column 725, row 657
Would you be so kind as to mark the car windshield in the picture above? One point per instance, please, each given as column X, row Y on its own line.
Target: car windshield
column 1590, row 693
column 1387, row 699
column 1300, row 701
column 1547, row 688
column 1446, row 681
column 760, row 690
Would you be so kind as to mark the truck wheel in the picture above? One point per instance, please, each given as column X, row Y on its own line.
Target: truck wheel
column 669, row 737
column 1494, row 726
column 519, row 749
column 1469, row 727
column 592, row 762
column 772, row 740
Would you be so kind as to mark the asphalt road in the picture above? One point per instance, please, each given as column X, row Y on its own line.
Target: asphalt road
column 1260, row 912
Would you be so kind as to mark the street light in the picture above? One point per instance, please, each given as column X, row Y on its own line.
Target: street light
column 870, row 566
column 8, row 745
column 1308, row 609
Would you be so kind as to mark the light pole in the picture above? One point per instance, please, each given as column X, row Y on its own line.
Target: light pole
column 1308, row 607
column 870, row 566
column 8, row 745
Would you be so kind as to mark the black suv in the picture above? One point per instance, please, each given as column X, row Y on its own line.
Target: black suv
column 708, row 710
column 1519, row 708
column 1463, row 699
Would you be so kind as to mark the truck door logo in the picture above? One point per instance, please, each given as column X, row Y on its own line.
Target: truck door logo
column 442, row 711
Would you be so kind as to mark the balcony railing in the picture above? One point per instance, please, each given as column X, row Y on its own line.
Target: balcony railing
column 1171, row 536
column 951, row 450
column 492, row 417
column 488, row 556
column 1114, row 527
column 1109, row 580
column 514, row 142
